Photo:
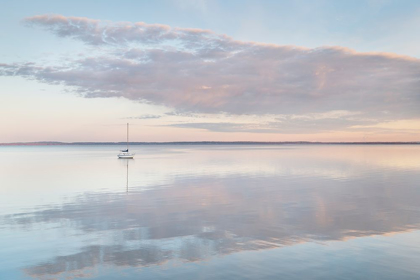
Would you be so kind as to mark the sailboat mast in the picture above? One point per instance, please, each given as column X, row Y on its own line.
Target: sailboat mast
column 127, row 136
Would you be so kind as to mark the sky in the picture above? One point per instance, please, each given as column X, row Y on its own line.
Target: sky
column 235, row 70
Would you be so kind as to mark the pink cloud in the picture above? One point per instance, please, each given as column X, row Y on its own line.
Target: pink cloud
column 199, row 71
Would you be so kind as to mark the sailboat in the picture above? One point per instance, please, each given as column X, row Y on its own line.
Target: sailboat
column 125, row 153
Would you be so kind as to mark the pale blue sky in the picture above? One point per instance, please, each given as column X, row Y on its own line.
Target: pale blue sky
column 370, row 25
column 364, row 26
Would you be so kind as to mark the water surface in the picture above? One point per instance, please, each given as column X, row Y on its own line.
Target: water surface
column 210, row 212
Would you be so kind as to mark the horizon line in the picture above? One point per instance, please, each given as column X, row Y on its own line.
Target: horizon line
column 58, row 143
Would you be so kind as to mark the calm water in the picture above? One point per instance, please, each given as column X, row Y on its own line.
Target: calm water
column 210, row 212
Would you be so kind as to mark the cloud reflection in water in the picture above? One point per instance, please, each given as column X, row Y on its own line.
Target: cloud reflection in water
column 199, row 217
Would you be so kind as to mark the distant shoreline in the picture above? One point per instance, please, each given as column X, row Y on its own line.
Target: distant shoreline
column 52, row 143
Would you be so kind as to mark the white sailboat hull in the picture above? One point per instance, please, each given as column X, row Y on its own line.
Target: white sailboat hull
column 125, row 155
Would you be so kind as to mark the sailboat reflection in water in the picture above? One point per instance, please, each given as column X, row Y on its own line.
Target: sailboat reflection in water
column 125, row 153
column 126, row 185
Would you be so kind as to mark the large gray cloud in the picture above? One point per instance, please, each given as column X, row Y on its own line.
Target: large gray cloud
column 200, row 71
